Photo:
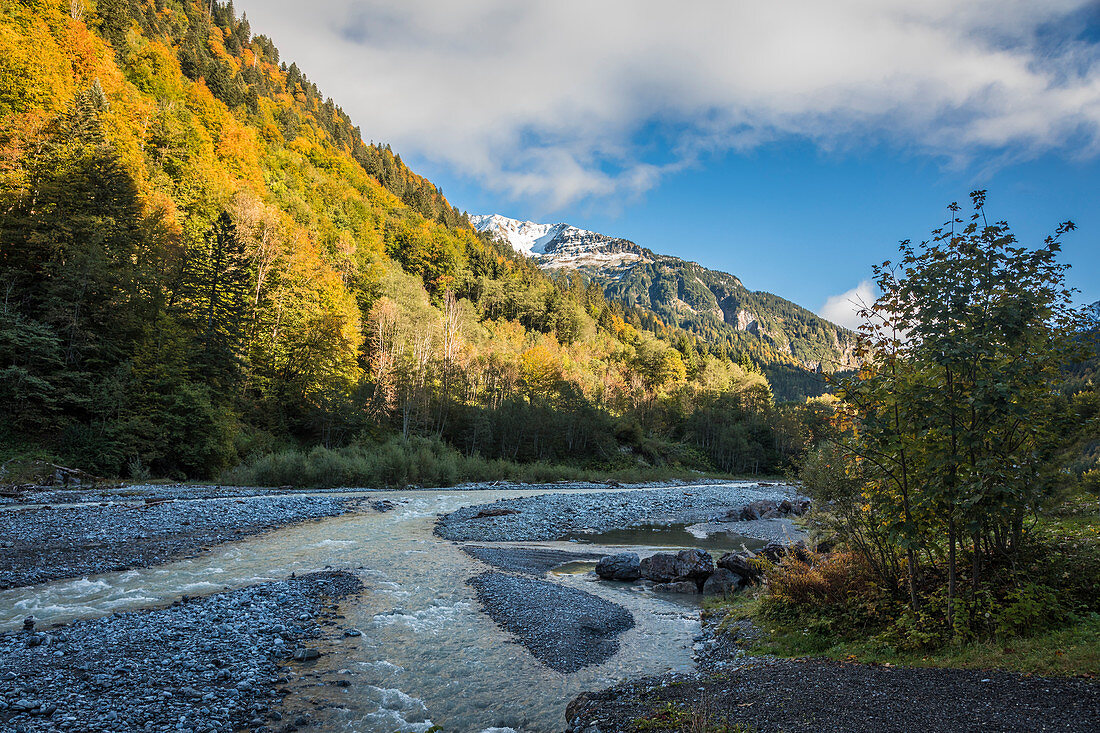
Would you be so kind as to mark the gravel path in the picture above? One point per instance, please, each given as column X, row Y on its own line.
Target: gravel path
column 40, row 545
column 815, row 695
column 564, row 628
column 535, row 561
column 772, row 695
column 206, row 665
column 553, row 516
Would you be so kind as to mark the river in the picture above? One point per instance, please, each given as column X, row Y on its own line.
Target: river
column 428, row 654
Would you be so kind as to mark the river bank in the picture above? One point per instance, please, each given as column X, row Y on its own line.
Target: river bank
column 211, row 664
column 41, row 544
column 734, row 688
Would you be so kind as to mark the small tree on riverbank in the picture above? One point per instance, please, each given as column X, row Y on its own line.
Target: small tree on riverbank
column 955, row 421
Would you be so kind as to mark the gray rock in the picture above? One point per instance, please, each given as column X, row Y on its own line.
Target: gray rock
column 686, row 587
column 694, row 565
column 660, row 567
column 305, row 655
column 722, row 582
column 762, row 509
column 740, row 565
column 773, row 551
column 623, row 566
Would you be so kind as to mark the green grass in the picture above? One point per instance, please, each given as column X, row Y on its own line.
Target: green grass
column 1070, row 650
column 399, row 463
column 1065, row 559
column 1073, row 650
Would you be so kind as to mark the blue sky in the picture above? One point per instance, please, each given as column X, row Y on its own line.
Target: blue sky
column 792, row 144
column 808, row 225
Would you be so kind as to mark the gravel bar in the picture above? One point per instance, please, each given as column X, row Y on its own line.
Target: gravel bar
column 203, row 665
column 131, row 492
column 535, row 561
column 564, row 628
column 40, row 545
column 553, row 516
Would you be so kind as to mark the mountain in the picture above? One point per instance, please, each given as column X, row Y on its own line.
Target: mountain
column 709, row 303
column 203, row 263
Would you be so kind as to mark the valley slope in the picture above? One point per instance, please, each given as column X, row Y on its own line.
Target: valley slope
column 711, row 304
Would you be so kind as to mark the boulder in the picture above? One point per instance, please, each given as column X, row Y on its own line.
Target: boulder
column 623, row 566
column 660, row 568
column 686, row 565
column 740, row 565
column 685, row 586
column 773, row 551
column 722, row 582
column 694, row 565
column 762, row 509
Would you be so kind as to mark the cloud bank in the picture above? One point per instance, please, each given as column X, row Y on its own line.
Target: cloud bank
column 844, row 309
column 561, row 100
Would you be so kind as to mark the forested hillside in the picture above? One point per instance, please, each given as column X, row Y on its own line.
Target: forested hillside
column 791, row 344
column 202, row 263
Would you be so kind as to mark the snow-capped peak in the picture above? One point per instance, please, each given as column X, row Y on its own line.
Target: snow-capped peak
column 527, row 237
column 556, row 246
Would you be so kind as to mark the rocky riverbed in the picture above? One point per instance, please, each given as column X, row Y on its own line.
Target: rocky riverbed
column 217, row 663
column 43, row 544
column 138, row 492
column 553, row 516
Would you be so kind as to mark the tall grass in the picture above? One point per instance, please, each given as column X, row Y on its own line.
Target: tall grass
column 418, row 461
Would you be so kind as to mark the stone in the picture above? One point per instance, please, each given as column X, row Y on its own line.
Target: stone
column 762, row 509
column 693, row 565
column 623, row 566
column 722, row 582
column 495, row 513
column 773, row 551
column 740, row 565
column 686, row 587
column 305, row 655
column 659, row 567
column 352, row 632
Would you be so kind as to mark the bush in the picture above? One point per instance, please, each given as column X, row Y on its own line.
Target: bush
column 813, row 580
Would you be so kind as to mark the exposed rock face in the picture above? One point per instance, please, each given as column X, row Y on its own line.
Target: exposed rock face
column 623, row 566
column 722, row 582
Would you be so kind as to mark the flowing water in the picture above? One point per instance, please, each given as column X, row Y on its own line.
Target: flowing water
column 428, row 654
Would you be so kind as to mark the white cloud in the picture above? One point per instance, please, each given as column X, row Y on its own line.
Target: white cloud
column 560, row 100
column 844, row 309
